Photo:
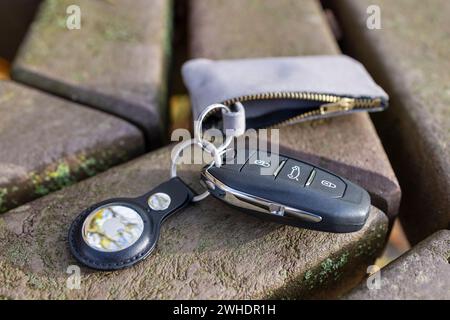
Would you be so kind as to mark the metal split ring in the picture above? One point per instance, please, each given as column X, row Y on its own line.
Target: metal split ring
column 216, row 152
column 198, row 130
column 204, row 145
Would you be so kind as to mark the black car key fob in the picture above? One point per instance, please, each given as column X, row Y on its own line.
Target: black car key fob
column 289, row 191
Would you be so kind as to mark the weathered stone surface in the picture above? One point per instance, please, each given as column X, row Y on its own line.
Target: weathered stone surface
column 348, row 145
column 422, row 273
column 409, row 58
column 47, row 143
column 209, row 250
column 235, row 29
column 116, row 61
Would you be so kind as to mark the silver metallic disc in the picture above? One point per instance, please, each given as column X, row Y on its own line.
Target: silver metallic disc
column 112, row 228
column 159, row 201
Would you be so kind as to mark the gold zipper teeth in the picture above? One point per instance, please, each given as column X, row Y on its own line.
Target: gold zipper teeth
column 284, row 95
column 359, row 103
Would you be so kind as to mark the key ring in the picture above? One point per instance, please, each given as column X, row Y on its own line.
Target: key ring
column 119, row 232
column 199, row 125
column 207, row 146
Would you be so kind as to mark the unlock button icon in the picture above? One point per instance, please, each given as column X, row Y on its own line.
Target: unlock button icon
column 328, row 184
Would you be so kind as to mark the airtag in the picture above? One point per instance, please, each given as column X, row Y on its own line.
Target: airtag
column 112, row 228
column 118, row 233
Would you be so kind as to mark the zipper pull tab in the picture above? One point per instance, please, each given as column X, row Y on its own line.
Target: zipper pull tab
column 344, row 104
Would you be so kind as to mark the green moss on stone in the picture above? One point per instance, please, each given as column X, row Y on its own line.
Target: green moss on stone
column 3, row 194
column 68, row 172
column 118, row 31
column 35, row 282
column 61, row 176
column 90, row 165
column 329, row 269
column 53, row 13
column 17, row 253
column 51, row 19
column 203, row 245
column 2, row 228
column 52, row 180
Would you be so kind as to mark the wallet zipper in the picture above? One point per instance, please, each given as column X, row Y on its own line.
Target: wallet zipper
column 331, row 103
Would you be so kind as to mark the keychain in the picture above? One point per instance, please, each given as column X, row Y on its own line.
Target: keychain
column 119, row 232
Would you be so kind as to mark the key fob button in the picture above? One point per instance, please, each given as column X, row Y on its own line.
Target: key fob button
column 262, row 164
column 295, row 172
column 327, row 183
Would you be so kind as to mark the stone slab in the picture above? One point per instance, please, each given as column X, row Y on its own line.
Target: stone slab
column 208, row 250
column 422, row 273
column 348, row 145
column 116, row 62
column 409, row 57
column 235, row 29
column 47, row 143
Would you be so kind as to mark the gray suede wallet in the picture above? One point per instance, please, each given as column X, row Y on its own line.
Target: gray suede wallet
column 286, row 90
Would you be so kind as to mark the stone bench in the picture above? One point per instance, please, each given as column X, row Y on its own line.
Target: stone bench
column 116, row 62
column 408, row 56
column 422, row 273
column 47, row 143
column 208, row 250
column 211, row 250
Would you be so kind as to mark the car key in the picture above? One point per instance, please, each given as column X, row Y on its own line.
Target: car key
column 288, row 191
